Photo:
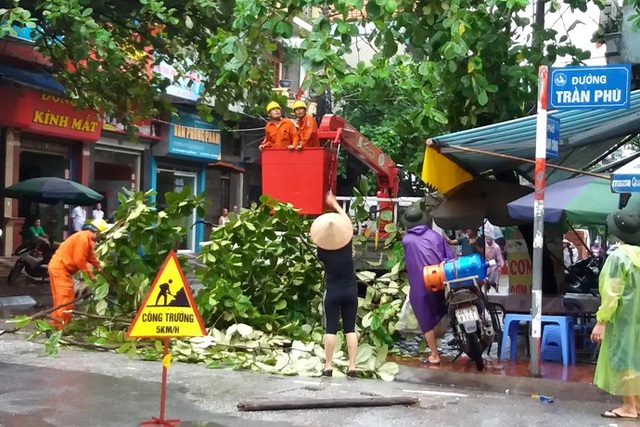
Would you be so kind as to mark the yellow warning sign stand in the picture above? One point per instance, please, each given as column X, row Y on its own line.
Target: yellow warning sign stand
column 168, row 310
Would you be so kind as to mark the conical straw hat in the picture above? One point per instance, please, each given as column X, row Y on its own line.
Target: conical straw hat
column 331, row 231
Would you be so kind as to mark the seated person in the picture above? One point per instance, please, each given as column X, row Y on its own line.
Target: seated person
column 35, row 235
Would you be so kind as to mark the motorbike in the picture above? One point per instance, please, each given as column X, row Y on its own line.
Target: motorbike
column 462, row 281
column 582, row 277
column 34, row 260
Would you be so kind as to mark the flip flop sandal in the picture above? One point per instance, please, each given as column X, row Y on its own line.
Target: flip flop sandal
column 612, row 414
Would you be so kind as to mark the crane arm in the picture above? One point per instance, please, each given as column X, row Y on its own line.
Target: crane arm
column 342, row 134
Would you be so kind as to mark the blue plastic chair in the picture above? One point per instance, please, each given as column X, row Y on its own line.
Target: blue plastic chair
column 565, row 330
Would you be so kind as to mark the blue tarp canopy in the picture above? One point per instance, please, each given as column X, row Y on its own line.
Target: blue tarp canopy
column 36, row 79
column 586, row 136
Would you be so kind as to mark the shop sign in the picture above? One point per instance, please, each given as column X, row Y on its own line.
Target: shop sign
column 145, row 128
column 188, row 87
column 192, row 137
column 518, row 262
column 24, row 33
column 46, row 114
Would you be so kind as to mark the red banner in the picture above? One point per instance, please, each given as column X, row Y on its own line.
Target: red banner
column 46, row 114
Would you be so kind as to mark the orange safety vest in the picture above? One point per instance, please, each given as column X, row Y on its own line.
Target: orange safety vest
column 308, row 131
column 280, row 134
column 76, row 252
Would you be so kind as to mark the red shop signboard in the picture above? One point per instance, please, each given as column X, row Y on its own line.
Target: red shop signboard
column 45, row 114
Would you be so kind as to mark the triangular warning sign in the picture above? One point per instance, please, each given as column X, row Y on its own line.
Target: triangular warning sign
column 168, row 310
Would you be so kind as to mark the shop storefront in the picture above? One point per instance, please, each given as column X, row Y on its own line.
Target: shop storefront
column 117, row 163
column 179, row 161
column 43, row 135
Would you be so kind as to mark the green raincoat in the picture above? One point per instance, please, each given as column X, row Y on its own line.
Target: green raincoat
column 618, row 369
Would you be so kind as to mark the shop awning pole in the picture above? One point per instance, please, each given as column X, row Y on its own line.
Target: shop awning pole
column 522, row 159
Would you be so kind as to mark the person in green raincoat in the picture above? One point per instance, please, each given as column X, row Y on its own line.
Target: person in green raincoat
column 618, row 318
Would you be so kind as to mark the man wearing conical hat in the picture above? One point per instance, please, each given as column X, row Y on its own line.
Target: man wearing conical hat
column 332, row 233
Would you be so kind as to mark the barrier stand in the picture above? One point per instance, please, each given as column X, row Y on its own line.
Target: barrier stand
column 163, row 394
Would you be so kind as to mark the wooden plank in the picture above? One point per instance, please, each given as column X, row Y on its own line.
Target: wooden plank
column 278, row 405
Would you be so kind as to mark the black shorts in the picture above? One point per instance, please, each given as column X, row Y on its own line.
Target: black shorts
column 340, row 302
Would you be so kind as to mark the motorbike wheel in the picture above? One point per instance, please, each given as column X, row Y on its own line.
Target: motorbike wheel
column 15, row 273
column 474, row 350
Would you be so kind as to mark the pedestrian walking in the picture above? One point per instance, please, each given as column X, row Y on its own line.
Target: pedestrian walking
column 618, row 318
column 332, row 233
column 423, row 246
column 492, row 251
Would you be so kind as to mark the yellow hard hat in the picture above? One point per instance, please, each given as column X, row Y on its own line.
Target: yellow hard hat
column 299, row 104
column 97, row 225
column 272, row 105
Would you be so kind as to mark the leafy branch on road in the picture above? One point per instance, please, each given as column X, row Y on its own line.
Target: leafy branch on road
column 261, row 295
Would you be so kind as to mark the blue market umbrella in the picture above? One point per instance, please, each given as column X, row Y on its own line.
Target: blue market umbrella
column 627, row 178
column 52, row 190
column 584, row 200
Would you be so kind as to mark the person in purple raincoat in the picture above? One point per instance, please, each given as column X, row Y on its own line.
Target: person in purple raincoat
column 423, row 246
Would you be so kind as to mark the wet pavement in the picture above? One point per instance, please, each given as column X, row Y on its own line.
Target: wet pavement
column 81, row 388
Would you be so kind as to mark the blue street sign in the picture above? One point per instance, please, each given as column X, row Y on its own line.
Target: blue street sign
column 590, row 87
column 553, row 137
column 627, row 178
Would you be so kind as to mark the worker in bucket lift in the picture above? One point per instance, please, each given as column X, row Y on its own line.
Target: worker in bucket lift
column 307, row 128
column 74, row 254
column 280, row 132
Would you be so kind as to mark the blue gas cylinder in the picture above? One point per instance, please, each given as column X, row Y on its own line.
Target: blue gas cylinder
column 466, row 266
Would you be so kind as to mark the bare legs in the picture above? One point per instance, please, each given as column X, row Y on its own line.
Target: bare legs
column 330, row 345
column 430, row 337
column 352, row 349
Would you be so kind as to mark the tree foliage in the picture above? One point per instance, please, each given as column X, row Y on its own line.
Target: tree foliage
column 262, row 271
column 462, row 65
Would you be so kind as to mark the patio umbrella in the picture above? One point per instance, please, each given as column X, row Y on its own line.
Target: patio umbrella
column 584, row 200
column 51, row 190
column 627, row 178
column 468, row 204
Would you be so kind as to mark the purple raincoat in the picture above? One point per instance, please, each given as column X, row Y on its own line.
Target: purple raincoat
column 422, row 247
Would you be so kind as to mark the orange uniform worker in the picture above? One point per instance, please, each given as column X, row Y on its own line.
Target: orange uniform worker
column 307, row 127
column 74, row 254
column 280, row 132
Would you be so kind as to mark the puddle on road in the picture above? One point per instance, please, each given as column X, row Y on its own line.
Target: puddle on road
column 37, row 396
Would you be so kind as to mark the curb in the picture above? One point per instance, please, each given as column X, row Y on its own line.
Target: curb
column 490, row 383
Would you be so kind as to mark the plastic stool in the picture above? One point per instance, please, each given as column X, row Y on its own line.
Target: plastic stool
column 551, row 348
column 565, row 328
